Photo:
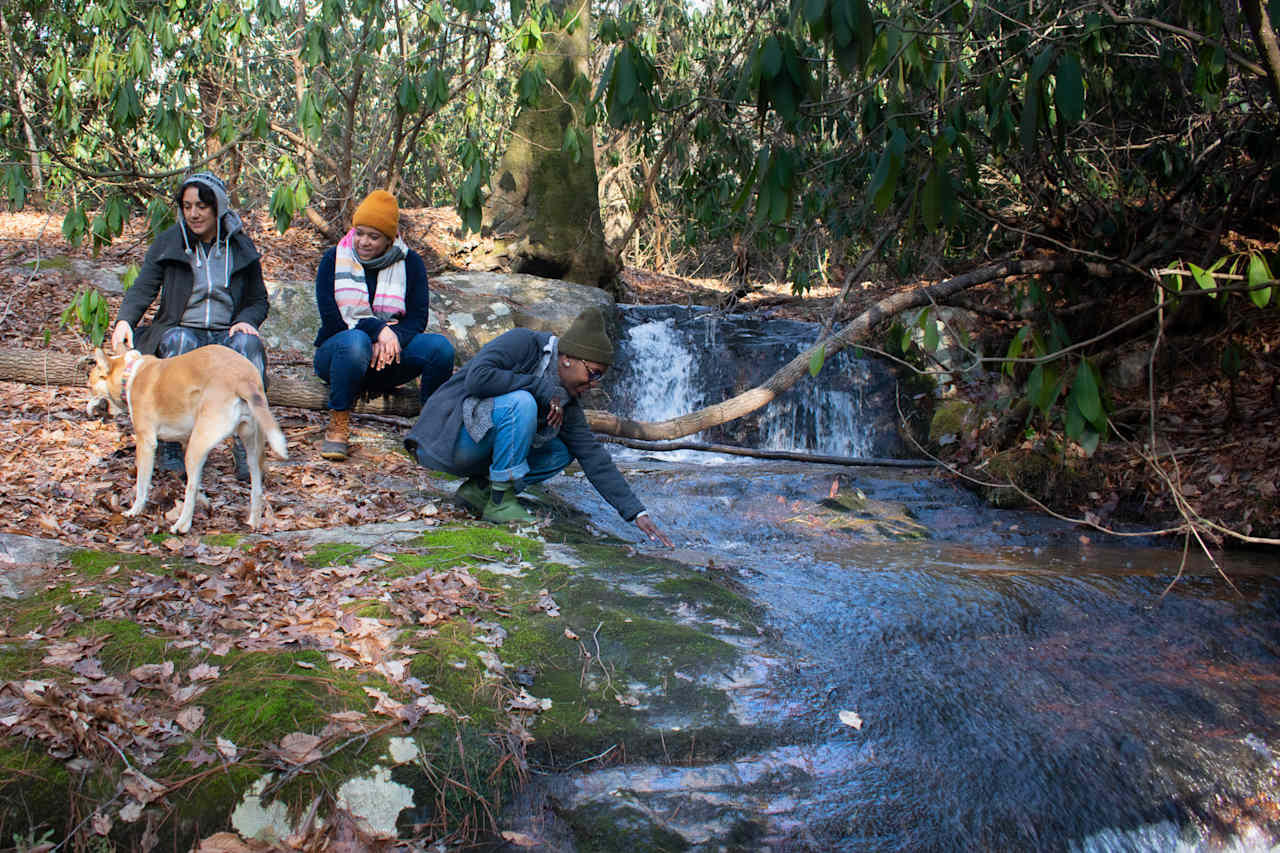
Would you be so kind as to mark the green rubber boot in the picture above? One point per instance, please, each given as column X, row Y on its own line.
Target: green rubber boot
column 474, row 492
column 503, row 508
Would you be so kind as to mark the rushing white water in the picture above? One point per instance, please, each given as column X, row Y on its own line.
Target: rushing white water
column 675, row 364
column 821, row 420
column 668, row 388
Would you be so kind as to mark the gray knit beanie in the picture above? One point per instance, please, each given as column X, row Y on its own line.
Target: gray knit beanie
column 214, row 183
column 587, row 338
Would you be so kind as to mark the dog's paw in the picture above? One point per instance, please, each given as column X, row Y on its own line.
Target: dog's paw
column 131, row 511
column 180, row 528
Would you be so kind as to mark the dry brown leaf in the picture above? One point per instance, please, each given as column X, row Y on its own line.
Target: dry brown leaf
column 141, row 787
column 300, row 748
column 348, row 716
column 204, row 672
column 225, row 842
column 199, row 756
column 153, row 671
column 519, row 839
column 394, row 670
column 191, row 717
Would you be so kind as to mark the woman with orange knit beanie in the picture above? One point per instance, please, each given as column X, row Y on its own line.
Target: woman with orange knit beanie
column 371, row 290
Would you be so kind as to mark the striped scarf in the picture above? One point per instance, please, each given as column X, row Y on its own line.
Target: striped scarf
column 351, row 290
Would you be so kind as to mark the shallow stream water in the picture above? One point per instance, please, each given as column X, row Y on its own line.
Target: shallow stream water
column 1020, row 684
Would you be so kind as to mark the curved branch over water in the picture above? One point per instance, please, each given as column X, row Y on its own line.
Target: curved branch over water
column 857, row 329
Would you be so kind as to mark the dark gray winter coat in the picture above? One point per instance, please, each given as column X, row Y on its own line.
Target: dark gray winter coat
column 509, row 363
column 166, row 271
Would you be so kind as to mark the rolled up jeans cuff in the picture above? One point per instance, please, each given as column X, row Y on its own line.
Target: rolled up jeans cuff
column 508, row 477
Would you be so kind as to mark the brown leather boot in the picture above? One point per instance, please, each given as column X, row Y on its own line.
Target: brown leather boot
column 336, row 436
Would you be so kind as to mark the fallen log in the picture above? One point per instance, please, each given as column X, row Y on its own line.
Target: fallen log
column 857, row 329
column 788, row 455
column 48, row 367
column 307, row 392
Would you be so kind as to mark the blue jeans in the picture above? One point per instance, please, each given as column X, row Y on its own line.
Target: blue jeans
column 343, row 362
column 181, row 339
column 506, row 454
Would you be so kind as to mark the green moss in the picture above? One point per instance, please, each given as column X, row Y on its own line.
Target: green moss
column 463, row 774
column 56, row 262
column 94, row 563
column 460, row 545
column 598, row 827
column 34, row 791
column 950, row 418
column 450, row 665
column 710, row 594
column 226, row 540
column 619, row 650
column 1044, row 473
column 20, row 660
column 261, row 696
column 128, row 644
column 37, row 612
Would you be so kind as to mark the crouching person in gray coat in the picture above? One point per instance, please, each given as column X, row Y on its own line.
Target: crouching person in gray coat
column 510, row 417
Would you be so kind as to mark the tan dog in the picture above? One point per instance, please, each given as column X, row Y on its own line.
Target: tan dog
column 198, row 398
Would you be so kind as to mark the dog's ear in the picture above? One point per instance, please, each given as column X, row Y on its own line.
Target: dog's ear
column 100, row 357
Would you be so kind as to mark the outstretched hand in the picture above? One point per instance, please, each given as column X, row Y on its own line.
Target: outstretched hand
column 651, row 530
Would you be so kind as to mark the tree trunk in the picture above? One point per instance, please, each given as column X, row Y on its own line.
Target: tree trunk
column 544, row 208
column 1264, row 37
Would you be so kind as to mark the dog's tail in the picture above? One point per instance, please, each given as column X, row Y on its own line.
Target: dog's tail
column 257, row 402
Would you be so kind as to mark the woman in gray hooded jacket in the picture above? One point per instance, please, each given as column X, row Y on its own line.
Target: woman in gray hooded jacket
column 207, row 273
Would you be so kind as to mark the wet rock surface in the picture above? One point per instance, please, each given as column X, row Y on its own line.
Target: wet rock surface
column 934, row 676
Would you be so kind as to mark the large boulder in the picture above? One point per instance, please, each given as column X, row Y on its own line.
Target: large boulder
column 470, row 308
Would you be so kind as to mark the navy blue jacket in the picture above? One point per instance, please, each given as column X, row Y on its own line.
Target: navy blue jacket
column 416, row 301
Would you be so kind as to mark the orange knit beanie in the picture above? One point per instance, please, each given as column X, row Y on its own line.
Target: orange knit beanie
column 379, row 210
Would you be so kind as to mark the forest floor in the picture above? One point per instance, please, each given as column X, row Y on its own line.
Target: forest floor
column 1217, row 440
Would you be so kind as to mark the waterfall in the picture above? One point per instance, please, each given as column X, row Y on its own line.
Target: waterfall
column 673, row 360
column 666, row 375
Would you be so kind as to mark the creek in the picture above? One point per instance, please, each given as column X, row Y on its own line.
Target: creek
column 1017, row 683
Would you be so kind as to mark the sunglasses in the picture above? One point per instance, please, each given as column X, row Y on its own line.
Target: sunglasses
column 593, row 375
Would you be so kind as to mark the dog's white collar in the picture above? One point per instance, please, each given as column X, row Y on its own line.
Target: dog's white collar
column 126, row 380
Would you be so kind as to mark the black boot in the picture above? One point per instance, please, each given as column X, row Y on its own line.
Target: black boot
column 169, row 456
column 241, row 460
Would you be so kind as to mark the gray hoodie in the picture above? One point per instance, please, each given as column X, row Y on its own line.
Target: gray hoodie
column 211, row 305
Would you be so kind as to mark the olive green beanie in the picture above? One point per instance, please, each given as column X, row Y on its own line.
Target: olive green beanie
column 587, row 339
